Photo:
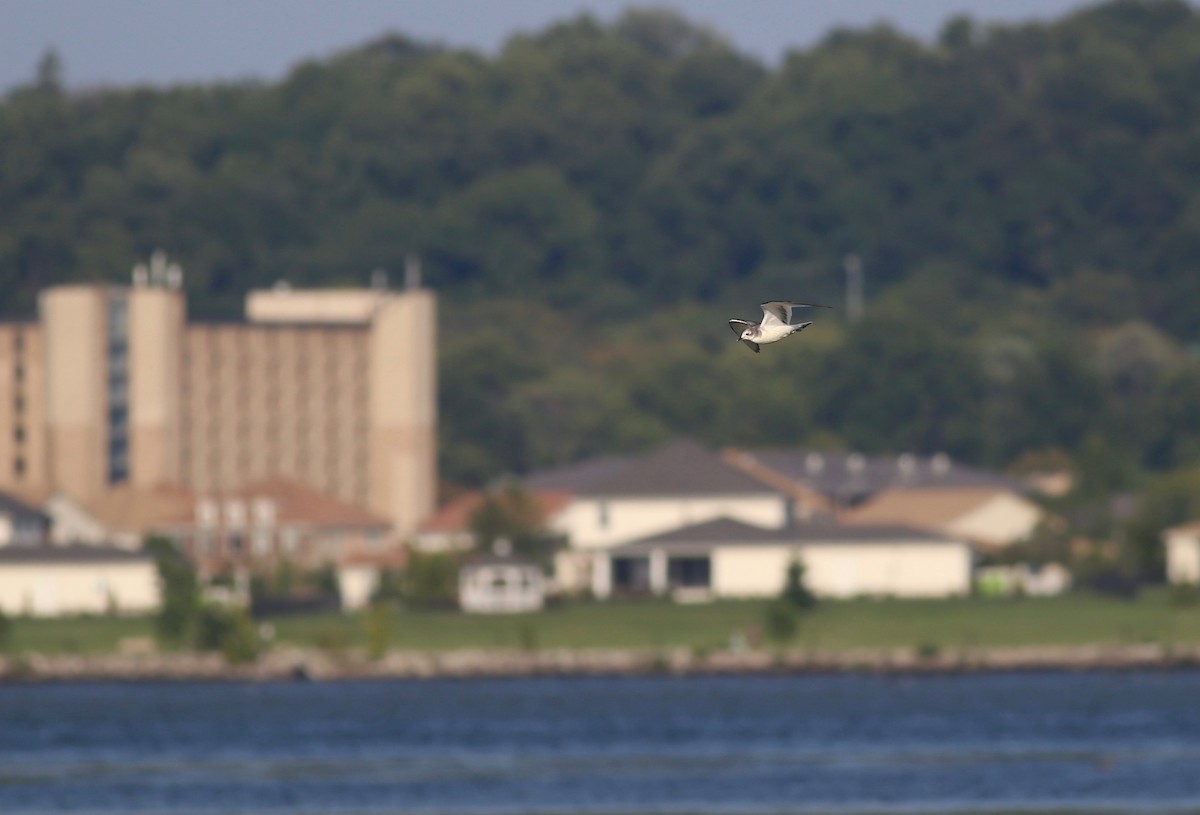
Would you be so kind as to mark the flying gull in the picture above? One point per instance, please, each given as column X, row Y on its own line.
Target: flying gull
column 775, row 325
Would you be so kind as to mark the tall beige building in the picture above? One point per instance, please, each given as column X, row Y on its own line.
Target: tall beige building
column 113, row 388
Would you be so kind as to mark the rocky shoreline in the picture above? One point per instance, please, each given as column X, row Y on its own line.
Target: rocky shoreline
column 319, row 665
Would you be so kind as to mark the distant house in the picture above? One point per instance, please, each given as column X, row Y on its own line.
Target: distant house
column 724, row 557
column 1183, row 553
column 21, row 524
column 261, row 525
column 621, row 500
column 52, row 581
column 990, row 517
column 122, row 516
column 500, row 584
column 449, row 529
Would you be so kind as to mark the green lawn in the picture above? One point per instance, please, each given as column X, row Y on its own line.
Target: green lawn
column 834, row 625
column 945, row 624
column 76, row 635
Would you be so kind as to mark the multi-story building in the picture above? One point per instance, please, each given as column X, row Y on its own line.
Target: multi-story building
column 111, row 388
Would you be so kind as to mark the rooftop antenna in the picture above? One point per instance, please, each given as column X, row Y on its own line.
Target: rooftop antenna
column 853, row 265
column 158, row 267
column 412, row 271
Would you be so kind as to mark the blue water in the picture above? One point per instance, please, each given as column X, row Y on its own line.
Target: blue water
column 1055, row 742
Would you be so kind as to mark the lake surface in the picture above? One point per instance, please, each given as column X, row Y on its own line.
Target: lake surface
column 1053, row 742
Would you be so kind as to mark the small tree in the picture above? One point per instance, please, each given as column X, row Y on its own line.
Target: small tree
column 794, row 590
column 514, row 515
column 781, row 621
column 5, row 630
column 378, row 623
column 230, row 630
column 180, row 591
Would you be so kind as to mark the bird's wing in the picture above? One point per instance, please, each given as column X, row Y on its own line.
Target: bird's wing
column 779, row 312
column 753, row 346
column 739, row 326
column 776, row 312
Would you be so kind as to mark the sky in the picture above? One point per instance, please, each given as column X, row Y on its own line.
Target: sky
column 162, row 42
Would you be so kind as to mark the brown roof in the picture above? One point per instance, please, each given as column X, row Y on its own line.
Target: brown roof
column 456, row 515
column 924, row 508
column 129, row 509
column 297, row 504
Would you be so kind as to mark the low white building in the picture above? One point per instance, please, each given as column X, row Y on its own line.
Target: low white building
column 728, row 558
column 675, row 486
column 501, row 584
column 1183, row 553
column 54, row 581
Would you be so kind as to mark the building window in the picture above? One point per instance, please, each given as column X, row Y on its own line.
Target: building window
column 118, row 388
column 291, row 541
column 19, row 466
column 603, row 518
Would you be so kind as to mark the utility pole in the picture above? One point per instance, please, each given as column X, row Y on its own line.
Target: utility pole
column 852, row 263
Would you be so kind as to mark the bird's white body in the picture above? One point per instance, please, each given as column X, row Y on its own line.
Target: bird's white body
column 774, row 333
column 776, row 323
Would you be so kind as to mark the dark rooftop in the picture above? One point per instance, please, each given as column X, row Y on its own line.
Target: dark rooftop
column 729, row 532
column 849, row 478
column 70, row 553
column 10, row 505
column 681, row 467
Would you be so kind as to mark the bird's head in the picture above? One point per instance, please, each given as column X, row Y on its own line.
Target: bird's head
column 747, row 334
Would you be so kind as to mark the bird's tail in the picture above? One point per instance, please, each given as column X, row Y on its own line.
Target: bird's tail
column 798, row 327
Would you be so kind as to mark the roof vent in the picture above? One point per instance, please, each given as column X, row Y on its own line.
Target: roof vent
column 412, row 272
column 907, row 465
column 814, row 463
column 940, row 464
column 855, row 463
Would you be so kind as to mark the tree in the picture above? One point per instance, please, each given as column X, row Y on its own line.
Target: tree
column 795, row 592
column 430, row 580
column 177, row 617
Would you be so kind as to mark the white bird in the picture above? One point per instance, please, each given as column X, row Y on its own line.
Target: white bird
column 776, row 323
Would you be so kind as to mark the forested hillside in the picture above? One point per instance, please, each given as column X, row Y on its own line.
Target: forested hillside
column 1025, row 202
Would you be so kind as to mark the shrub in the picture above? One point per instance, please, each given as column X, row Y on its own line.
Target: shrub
column 794, row 590
column 229, row 630
column 781, row 621
column 5, row 631
column 180, row 591
column 378, row 621
column 431, row 580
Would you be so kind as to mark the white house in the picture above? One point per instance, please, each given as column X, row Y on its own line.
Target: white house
column 500, row 584
column 1183, row 553
column 728, row 558
column 52, row 581
column 677, row 485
